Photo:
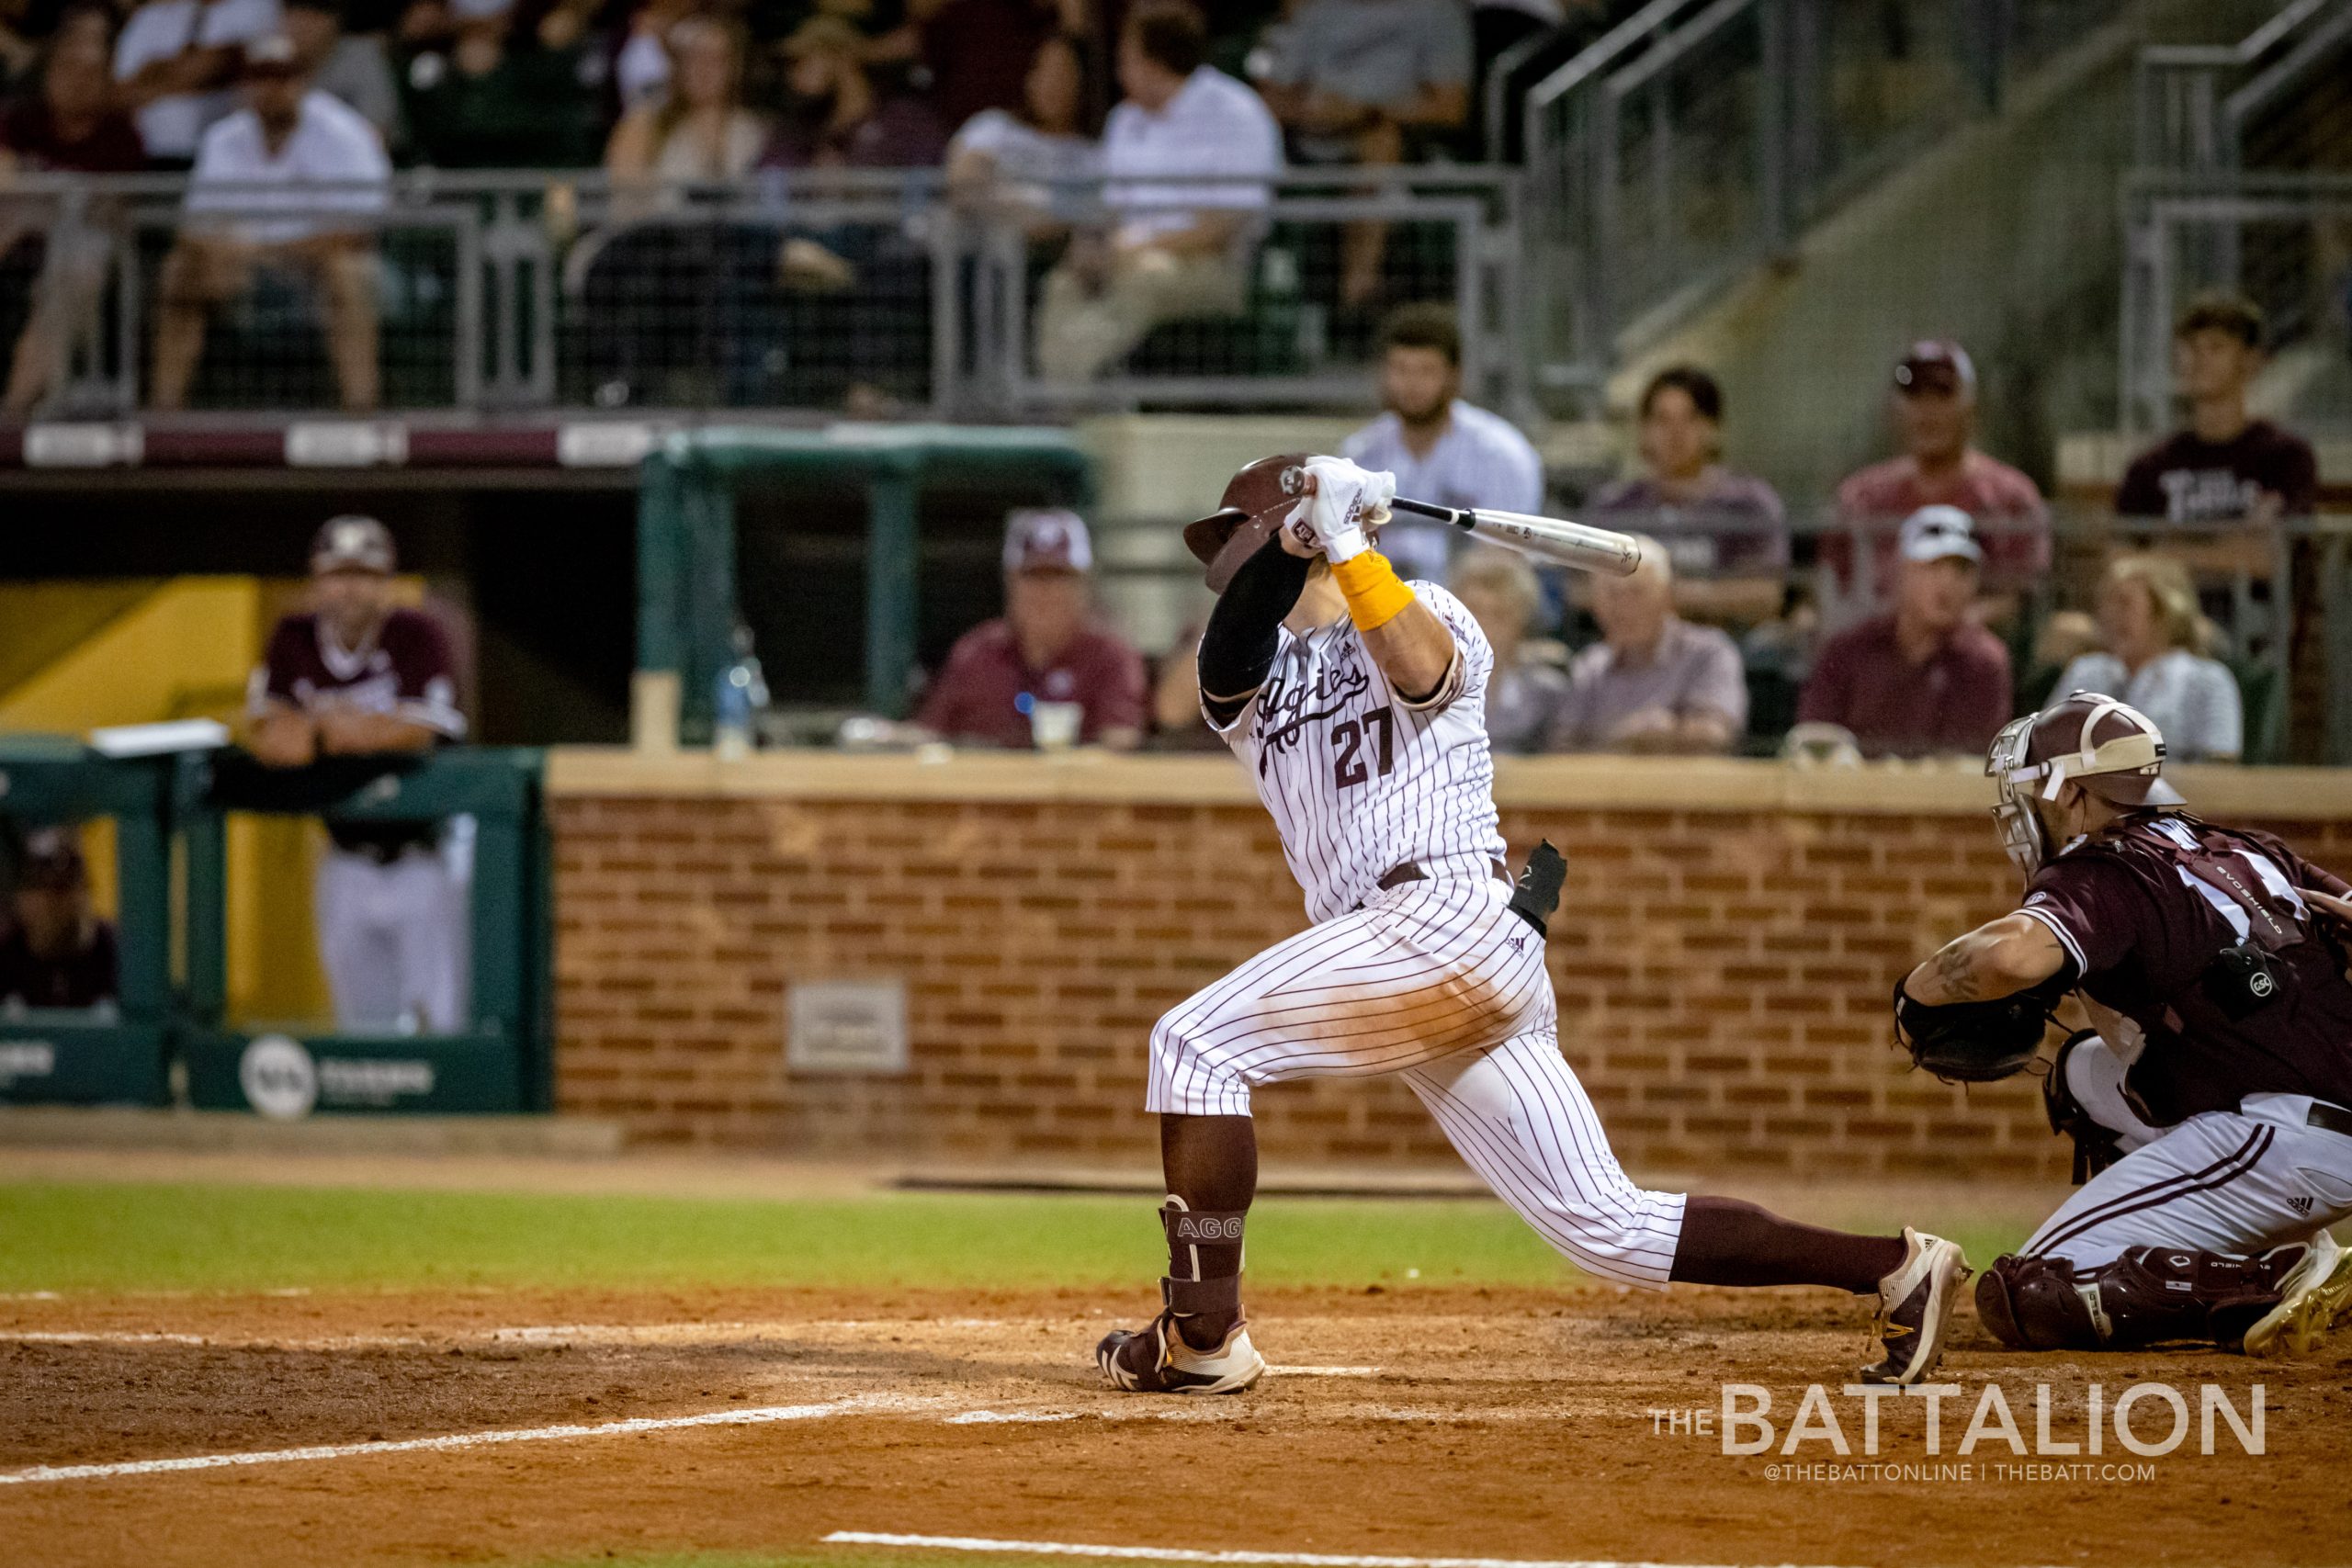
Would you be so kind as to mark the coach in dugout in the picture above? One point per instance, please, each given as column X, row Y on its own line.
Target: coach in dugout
column 1440, row 449
column 57, row 952
column 357, row 676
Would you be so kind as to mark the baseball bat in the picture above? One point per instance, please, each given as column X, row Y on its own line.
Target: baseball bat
column 1578, row 545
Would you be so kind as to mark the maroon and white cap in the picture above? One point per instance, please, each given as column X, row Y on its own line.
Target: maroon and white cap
column 352, row 543
column 1046, row 538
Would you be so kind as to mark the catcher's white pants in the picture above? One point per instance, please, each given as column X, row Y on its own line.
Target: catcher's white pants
column 1439, row 981
column 2238, row 1182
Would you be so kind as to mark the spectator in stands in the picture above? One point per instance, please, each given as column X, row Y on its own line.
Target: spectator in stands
column 698, row 128
column 20, row 44
column 1923, row 678
column 1934, row 413
column 641, row 64
column 1441, row 449
column 1047, row 651
column 176, row 63
column 2227, row 464
column 318, row 158
column 1499, row 589
column 351, row 68
column 837, row 115
column 1178, row 251
column 978, row 54
column 69, row 125
column 1367, row 82
column 1654, row 683
column 357, row 676
column 2154, row 659
column 484, row 97
column 1022, row 158
column 1725, row 526
column 56, row 953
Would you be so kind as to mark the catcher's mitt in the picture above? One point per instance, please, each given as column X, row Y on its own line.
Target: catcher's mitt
column 1976, row 1041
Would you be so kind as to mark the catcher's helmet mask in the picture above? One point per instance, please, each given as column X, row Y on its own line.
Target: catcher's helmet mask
column 1258, row 500
column 2090, row 740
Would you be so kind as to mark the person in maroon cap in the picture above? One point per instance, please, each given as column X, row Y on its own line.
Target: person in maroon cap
column 1012, row 681
column 1934, row 403
column 358, row 676
column 56, row 953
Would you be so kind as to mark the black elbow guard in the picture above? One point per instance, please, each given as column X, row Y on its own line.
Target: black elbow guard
column 1237, row 648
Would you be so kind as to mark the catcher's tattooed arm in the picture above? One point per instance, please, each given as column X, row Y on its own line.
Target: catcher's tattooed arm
column 1999, row 958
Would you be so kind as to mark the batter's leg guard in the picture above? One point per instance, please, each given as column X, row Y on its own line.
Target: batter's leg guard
column 2147, row 1296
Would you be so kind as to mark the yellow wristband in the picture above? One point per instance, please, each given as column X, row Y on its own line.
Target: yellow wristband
column 1375, row 596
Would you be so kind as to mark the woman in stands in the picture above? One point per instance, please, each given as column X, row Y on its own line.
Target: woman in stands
column 2155, row 660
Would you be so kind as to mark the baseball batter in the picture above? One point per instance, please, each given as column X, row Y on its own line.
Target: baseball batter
column 1357, row 703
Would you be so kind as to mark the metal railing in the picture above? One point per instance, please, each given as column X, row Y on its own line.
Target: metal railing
column 2192, row 105
column 2282, row 240
column 1695, row 138
column 878, row 291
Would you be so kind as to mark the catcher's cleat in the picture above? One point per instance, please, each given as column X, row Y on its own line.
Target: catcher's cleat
column 1915, row 1306
column 1157, row 1360
column 2311, row 1298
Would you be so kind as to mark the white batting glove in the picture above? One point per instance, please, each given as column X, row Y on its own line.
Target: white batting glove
column 1347, row 501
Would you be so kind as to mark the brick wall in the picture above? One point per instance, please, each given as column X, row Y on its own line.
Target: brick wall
column 1722, row 975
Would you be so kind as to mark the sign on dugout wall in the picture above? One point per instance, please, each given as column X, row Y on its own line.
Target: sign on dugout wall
column 119, row 1054
column 500, row 1062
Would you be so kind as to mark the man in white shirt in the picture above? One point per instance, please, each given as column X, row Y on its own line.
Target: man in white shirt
column 1441, row 449
column 306, row 155
column 1177, row 249
column 175, row 61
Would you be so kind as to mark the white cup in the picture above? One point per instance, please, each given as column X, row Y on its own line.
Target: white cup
column 1055, row 726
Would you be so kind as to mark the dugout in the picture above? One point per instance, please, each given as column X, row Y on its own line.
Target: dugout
column 500, row 1062
column 117, row 1053
column 688, row 595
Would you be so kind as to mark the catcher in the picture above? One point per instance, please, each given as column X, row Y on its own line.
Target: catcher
column 2211, row 1107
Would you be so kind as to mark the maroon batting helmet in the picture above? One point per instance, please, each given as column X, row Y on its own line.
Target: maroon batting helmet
column 1256, row 501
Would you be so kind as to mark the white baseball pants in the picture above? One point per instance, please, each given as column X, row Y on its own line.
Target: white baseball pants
column 394, row 941
column 1439, row 981
column 2237, row 1182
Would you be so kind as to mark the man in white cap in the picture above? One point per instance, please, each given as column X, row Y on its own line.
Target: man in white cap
column 1047, row 651
column 1923, row 678
column 358, row 676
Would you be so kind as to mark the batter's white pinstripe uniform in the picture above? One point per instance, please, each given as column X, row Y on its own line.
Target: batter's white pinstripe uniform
column 1433, row 977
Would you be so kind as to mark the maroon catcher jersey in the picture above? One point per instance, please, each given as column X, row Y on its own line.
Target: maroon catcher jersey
column 2143, row 907
column 406, row 673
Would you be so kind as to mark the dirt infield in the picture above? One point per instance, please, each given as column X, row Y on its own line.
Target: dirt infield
column 1507, row 1424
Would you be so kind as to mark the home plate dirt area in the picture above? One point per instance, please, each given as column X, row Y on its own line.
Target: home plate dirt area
column 526, row 1426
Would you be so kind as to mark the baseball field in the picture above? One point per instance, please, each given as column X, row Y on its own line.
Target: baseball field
column 215, row 1361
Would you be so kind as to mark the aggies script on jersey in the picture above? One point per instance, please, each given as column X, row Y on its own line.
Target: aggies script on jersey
column 2143, row 907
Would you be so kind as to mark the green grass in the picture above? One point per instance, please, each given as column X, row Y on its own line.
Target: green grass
column 114, row 1237
column 91, row 1236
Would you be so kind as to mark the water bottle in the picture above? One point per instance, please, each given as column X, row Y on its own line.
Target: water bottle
column 743, row 697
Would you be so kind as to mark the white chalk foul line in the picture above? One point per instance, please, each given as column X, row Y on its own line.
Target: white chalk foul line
column 1176, row 1555
column 760, row 1415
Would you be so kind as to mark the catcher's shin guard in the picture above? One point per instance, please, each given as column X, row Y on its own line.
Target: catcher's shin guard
column 2150, row 1295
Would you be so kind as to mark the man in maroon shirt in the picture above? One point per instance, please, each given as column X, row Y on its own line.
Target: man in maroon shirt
column 1934, row 402
column 1047, row 651
column 2213, row 1102
column 71, row 125
column 2227, row 465
column 358, row 676
column 1923, row 678
column 57, row 952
